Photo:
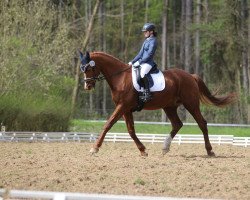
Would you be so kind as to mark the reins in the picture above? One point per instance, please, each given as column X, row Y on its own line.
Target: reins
column 102, row 77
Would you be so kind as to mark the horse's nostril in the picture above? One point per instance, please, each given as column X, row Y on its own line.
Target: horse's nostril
column 88, row 87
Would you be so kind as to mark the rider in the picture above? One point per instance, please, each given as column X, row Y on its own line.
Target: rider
column 144, row 59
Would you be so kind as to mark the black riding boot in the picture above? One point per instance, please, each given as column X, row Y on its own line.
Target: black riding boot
column 146, row 93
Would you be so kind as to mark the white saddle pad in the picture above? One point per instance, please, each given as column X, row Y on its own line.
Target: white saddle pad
column 158, row 78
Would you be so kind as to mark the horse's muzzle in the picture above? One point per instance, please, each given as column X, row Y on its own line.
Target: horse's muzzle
column 89, row 85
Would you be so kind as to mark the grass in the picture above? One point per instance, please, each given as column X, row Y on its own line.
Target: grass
column 139, row 181
column 120, row 127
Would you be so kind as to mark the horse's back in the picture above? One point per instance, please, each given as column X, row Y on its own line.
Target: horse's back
column 178, row 73
column 179, row 76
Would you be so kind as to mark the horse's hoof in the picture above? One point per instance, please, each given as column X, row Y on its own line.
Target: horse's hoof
column 211, row 153
column 164, row 151
column 144, row 154
column 93, row 151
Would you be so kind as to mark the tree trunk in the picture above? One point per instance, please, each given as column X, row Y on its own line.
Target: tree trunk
column 84, row 45
column 129, row 34
column 205, row 11
column 248, row 61
column 181, row 109
column 103, row 48
column 122, row 39
column 197, row 38
column 164, row 36
column 164, row 44
column 244, row 30
column 248, row 55
column 245, row 53
column 187, row 44
column 146, row 11
column 233, row 56
column 182, row 30
column 174, row 34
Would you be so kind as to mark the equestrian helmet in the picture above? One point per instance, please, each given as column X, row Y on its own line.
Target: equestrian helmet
column 148, row 27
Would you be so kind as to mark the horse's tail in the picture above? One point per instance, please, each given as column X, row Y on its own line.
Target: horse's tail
column 207, row 98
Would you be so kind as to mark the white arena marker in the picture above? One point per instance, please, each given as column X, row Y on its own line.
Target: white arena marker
column 59, row 196
column 83, row 196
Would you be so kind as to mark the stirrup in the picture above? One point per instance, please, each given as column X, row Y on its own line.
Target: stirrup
column 146, row 96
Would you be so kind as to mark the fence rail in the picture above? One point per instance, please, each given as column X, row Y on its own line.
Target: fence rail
column 119, row 137
column 185, row 123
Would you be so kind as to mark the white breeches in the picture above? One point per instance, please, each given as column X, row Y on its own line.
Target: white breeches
column 145, row 68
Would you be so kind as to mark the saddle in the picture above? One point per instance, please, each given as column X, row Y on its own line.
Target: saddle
column 156, row 83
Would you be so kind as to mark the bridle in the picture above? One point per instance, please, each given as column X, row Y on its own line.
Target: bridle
column 91, row 65
column 86, row 67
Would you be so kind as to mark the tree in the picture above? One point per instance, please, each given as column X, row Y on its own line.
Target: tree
column 245, row 44
column 174, row 7
column 197, row 38
column 164, row 55
column 84, row 45
column 182, row 33
column 187, row 43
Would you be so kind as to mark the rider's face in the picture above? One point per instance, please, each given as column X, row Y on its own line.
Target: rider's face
column 146, row 34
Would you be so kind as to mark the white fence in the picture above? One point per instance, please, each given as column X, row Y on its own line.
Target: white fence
column 185, row 123
column 118, row 137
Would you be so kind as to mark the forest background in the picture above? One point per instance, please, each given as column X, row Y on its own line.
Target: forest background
column 41, row 88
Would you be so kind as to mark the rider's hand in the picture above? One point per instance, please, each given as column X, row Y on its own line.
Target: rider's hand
column 136, row 64
column 130, row 64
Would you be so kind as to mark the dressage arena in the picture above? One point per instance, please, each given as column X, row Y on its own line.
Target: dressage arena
column 185, row 171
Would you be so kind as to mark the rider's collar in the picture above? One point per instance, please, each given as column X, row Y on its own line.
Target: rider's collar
column 150, row 37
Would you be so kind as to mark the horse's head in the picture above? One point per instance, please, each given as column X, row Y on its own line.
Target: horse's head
column 88, row 67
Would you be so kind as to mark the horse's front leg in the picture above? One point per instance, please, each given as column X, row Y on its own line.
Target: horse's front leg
column 128, row 117
column 116, row 115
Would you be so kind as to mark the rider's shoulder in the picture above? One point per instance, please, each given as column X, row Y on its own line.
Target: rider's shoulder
column 151, row 40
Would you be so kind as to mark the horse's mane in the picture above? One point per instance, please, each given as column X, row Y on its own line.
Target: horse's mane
column 107, row 55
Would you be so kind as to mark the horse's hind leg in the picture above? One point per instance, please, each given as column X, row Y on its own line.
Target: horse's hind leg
column 176, row 126
column 196, row 113
column 128, row 117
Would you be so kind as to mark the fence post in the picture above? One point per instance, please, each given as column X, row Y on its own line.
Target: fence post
column 64, row 137
column 246, row 141
column 45, row 137
column 153, row 138
column 14, row 138
column 179, row 140
column 33, row 137
column 219, row 140
column 76, row 137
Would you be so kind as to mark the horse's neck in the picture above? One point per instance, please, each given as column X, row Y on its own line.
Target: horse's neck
column 110, row 68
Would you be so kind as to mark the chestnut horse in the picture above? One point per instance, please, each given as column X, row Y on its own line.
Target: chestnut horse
column 181, row 88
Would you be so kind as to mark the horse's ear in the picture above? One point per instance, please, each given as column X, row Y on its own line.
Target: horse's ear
column 81, row 55
column 87, row 55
